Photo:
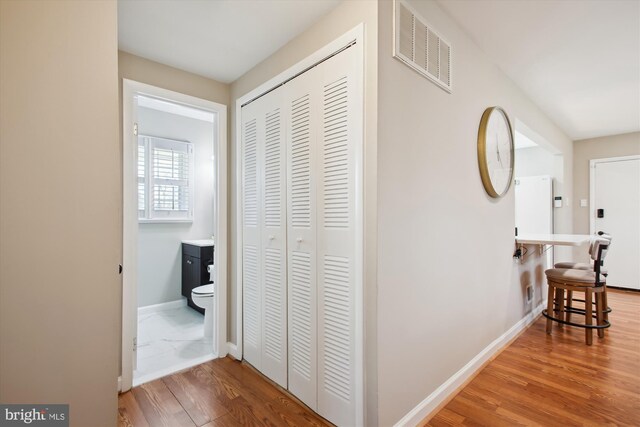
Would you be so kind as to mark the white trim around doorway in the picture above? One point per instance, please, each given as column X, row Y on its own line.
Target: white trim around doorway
column 592, row 185
column 130, row 89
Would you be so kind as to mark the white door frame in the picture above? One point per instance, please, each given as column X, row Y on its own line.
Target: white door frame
column 130, row 89
column 592, row 185
column 355, row 34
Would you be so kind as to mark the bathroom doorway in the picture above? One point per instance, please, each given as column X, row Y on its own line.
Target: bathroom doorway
column 174, row 232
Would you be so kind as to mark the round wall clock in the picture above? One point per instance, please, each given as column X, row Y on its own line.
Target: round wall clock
column 495, row 151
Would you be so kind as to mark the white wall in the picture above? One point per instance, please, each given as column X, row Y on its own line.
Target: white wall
column 59, row 207
column 159, row 245
column 536, row 161
column 447, row 283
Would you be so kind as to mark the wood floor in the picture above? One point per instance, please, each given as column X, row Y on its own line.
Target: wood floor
column 539, row 379
column 556, row 380
column 220, row 393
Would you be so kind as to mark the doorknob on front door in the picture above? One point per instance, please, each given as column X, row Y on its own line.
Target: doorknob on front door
column 299, row 239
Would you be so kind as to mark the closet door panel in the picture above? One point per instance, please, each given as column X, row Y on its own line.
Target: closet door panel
column 337, row 238
column 252, row 132
column 302, row 105
column 274, row 244
column 264, row 255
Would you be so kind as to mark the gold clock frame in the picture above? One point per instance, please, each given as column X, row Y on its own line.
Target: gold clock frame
column 482, row 152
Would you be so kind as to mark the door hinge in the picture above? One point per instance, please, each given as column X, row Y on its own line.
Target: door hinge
column 135, row 129
column 135, row 343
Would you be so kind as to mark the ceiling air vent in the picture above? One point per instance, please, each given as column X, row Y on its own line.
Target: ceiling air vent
column 419, row 46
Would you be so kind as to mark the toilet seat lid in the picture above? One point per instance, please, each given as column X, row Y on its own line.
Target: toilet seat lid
column 203, row 290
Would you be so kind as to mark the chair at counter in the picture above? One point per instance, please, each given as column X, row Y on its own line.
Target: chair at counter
column 580, row 277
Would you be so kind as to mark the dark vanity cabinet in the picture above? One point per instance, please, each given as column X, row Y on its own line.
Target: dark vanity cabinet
column 195, row 260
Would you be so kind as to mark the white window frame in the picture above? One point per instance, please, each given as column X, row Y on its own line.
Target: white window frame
column 149, row 214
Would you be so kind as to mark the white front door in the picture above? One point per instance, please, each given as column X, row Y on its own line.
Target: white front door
column 615, row 210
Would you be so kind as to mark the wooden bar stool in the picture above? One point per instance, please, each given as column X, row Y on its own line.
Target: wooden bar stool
column 587, row 266
column 591, row 283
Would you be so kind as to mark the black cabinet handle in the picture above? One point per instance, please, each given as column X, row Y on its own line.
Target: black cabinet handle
column 188, row 261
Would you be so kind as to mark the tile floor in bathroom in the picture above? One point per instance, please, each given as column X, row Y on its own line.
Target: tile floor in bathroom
column 168, row 341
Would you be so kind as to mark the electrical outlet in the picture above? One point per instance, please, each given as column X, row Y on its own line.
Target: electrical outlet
column 529, row 293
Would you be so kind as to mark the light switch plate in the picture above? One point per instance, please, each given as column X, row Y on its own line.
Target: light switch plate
column 583, row 203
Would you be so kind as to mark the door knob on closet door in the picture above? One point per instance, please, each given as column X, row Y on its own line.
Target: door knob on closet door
column 271, row 237
column 299, row 239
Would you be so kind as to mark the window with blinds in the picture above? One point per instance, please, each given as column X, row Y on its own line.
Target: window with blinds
column 165, row 179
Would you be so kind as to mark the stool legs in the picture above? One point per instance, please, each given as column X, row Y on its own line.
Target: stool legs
column 600, row 309
column 550, row 307
column 559, row 310
column 560, row 305
column 605, row 303
column 569, row 305
column 588, row 314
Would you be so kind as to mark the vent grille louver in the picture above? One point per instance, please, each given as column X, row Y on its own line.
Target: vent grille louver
column 337, row 327
column 272, row 169
column 251, row 295
column 336, row 155
column 301, row 298
column 300, row 163
column 250, row 174
column 273, row 305
column 419, row 46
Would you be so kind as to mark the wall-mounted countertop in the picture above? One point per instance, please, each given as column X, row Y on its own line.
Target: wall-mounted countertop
column 553, row 239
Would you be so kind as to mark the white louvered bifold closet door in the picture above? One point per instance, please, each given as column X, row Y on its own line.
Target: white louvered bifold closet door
column 302, row 246
column 302, row 96
column 264, row 237
column 337, row 240
column 274, row 243
column 251, row 253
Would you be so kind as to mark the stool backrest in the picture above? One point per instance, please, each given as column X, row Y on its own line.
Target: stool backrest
column 600, row 247
column 598, row 235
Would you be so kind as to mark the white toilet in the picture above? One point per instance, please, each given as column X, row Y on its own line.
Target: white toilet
column 202, row 296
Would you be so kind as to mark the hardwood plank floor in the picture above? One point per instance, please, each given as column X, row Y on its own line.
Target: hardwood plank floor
column 220, row 393
column 540, row 379
column 556, row 380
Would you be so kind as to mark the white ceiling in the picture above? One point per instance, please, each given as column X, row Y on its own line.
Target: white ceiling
column 579, row 61
column 220, row 39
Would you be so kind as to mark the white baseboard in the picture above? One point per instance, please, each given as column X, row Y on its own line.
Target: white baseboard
column 233, row 350
column 428, row 405
column 161, row 307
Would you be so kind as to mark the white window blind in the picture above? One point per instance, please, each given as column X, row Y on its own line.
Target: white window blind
column 165, row 179
column 141, row 179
